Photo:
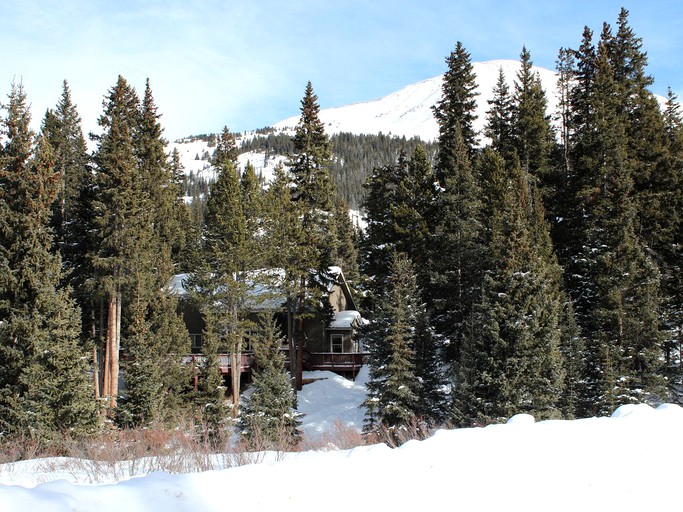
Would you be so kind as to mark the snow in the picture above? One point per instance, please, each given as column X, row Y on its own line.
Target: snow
column 620, row 463
column 345, row 319
column 407, row 112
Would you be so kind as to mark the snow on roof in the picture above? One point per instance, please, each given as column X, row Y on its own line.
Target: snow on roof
column 345, row 319
column 272, row 277
column 177, row 284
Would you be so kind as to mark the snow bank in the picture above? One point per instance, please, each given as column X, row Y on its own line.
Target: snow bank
column 621, row 463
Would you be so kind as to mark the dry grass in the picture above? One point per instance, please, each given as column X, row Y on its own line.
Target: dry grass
column 119, row 454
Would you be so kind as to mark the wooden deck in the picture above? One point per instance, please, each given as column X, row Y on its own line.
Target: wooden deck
column 332, row 361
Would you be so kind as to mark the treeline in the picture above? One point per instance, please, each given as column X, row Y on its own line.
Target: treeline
column 89, row 243
column 547, row 265
column 353, row 157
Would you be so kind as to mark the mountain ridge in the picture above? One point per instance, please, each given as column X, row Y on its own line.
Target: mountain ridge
column 408, row 111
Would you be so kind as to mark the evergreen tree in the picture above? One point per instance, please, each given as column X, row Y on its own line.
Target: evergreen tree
column 268, row 419
column 252, row 206
column 617, row 302
column 499, row 118
column 313, row 189
column 381, row 237
column 72, row 218
column 511, row 360
column 44, row 389
column 156, row 335
column 399, row 205
column 573, row 349
column 346, row 252
column 62, row 129
column 456, row 107
column 392, row 401
column 213, row 410
column 228, row 257
column 533, row 134
column 457, row 259
column 456, row 245
column 121, row 221
column 433, row 405
column 284, row 234
column 670, row 255
column 226, row 149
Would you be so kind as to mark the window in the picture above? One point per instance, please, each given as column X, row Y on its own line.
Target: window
column 337, row 343
column 248, row 341
column 195, row 342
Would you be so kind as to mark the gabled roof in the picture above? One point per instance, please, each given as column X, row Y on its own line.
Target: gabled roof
column 346, row 320
column 264, row 290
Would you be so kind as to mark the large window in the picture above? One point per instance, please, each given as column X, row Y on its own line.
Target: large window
column 337, row 343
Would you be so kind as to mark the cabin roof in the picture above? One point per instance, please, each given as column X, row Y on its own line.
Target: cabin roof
column 346, row 319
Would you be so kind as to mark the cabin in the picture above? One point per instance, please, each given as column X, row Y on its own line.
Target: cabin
column 328, row 345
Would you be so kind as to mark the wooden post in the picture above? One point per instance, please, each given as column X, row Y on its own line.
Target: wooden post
column 195, row 373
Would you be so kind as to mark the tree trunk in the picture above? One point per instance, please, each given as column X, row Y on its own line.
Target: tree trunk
column 95, row 358
column 300, row 338
column 111, row 358
column 111, row 318
column 236, row 373
column 290, row 341
column 115, row 354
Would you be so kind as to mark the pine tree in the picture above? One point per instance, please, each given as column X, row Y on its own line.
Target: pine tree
column 511, row 360
column 313, row 189
column 121, row 220
column 156, row 335
column 457, row 250
column 268, row 419
column 252, row 207
column 392, row 401
column 228, row 258
column 190, row 218
column 226, row 149
column 380, row 238
column 346, row 252
column 213, row 411
column 72, row 218
column 399, row 204
column 456, row 106
column 44, row 389
column 284, row 234
column 456, row 245
column 617, row 302
column 670, row 256
column 62, row 128
column 499, row 118
column 533, row 134
column 433, row 400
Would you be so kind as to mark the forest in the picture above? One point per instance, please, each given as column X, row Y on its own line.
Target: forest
column 525, row 269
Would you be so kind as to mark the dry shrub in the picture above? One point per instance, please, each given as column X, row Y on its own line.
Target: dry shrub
column 395, row 436
column 340, row 437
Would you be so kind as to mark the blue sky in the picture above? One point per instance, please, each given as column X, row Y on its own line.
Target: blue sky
column 245, row 63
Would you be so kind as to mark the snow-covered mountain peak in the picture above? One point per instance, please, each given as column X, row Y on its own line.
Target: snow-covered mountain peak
column 408, row 111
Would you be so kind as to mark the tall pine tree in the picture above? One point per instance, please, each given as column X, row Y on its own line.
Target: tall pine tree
column 44, row 388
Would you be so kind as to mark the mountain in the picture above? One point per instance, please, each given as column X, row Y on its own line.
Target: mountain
column 404, row 113
column 408, row 111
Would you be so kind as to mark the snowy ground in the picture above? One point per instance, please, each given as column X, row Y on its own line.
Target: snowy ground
column 630, row 461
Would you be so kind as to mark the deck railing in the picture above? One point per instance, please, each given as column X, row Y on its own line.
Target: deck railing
column 333, row 361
